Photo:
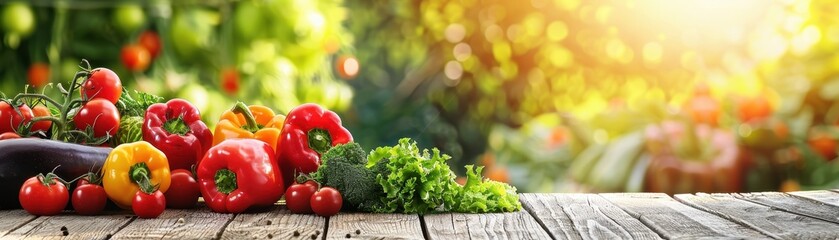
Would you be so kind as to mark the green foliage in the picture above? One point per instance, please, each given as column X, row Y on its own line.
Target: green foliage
column 482, row 195
column 129, row 106
column 413, row 182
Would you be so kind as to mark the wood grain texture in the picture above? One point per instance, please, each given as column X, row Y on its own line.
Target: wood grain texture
column 793, row 204
column 550, row 216
column 515, row 225
column 827, row 197
column 672, row 219
column 13, row 219
column 374, row 226
column 596, row 218
column 775, row 223
column 78, row 227
column 277, row 223
column 200, row 223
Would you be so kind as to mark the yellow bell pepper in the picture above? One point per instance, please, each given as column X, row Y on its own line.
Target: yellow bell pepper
column 132, row 166
column 254, row 122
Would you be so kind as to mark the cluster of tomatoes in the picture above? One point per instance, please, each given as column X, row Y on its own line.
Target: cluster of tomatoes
column 103, row 89
column 138, row 56
column 46, row 195
column 302, row 198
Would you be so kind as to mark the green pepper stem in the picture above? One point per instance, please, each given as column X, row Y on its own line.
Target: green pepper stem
column 241, row 108
column 139, row 173
column 176, row 126
column 226, row 181
column 319, row 140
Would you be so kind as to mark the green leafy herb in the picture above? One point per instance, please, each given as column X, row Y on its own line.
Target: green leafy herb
column 135, row 106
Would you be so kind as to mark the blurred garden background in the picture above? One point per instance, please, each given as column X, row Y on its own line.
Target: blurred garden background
column 550, row 95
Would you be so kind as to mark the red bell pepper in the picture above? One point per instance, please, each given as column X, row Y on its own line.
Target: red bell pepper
column 309, row 131
column 177, row 130
column 239, row 174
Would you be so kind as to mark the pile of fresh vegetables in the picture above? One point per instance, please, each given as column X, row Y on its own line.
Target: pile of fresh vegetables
column 146, row 155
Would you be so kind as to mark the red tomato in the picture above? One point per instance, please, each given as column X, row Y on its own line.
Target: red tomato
column 99, row 114
column 148, row 205
column 326, row 202
column 151, row 42
column 230, row 81
column 8, row 135
column 102, row 83
column 44, row 125
column 38, row 74
column 183, row 192
column 10, row 120
column 89, row 199
column 135, row 58
column 43, row 200
column 347, row 67
column 299, row 195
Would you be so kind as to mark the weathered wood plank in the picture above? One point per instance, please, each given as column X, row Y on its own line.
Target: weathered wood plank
column 797, row 205
column 595, row 218
column 13, row 219
column 827, row 197
column 550, row 216
column 199, row 223
column 672, row 219
column 589, row 215
column 277, row 223
column 374, row 226
column 76, row 226
column 777, row 224
column 515, row 225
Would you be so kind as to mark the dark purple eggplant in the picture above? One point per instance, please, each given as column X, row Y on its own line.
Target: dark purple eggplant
column 23, row 158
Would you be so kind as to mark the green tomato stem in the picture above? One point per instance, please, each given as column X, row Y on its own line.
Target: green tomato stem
column 226, row 181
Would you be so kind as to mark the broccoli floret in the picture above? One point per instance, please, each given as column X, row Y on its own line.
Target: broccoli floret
column 343, row 168
column 357, row 184
column 352, row 152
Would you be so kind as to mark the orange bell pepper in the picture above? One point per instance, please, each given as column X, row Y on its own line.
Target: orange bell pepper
column 254, row 122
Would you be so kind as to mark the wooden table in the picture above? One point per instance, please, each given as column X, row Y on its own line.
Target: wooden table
column 796, row 215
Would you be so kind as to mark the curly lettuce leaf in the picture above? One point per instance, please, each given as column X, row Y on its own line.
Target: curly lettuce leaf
column 413, row 182
column 480, row 195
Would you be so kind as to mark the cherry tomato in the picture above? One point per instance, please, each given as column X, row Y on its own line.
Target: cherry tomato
column 43, row 125
column 148, row 205
column 43, row 196
column 38, row 74
column 298, row 196
column 151, row 42
column 99, row 114
column 135, row 58
column 102, row 83
column 10, row 120
column 326, row 202
column 347, row 67
column 8, row 135
column 183, row 192
column 230, row 81
column 89, row 199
